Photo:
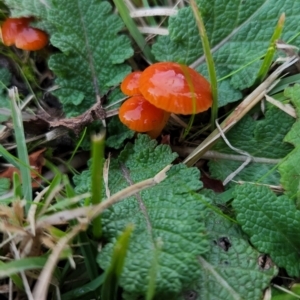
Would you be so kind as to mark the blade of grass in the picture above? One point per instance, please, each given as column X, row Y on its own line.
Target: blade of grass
column 192, row 91
column 132, row 28
column 21, row 146
column 9, row 157
column 113, row 272
column 78, row 145
column 16, row 279
column 150, row 19
column 210, row 62
column 153, row 274
column 86, row 248
column 98, row 145
column 263, row 71
column 85, row 289
column 23, row 264
column 17, row 187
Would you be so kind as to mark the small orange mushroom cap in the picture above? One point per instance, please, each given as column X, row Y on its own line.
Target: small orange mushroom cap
column 16, row 31
column 11, row 28
column 175, row 88
column 31, row 39
column 140, row 115
column 130, row 84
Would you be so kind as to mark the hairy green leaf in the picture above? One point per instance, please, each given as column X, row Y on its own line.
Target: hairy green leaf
column 272, row 223
column 167, row 218
column 262, row 138
column 93, row 52
column 289, row 168
column 29, row 8
column 239, row 33
column 118, row 133
column 230, row 269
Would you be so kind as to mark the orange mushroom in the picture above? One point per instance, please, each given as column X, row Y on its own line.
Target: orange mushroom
column 175, row 88
column 141, row 116
column 31, row 39
column 11, row 28
column 130, row 84
column 16, row 31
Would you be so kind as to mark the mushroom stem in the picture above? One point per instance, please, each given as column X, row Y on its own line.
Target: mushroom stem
column 155, row 133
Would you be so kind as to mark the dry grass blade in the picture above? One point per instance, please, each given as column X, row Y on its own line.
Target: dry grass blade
column 287, row 108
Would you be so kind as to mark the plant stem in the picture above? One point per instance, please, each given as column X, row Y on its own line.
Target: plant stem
column 21, row 147
column 210, row 62
column 132, row 28
column 263, row 71
column 98, row 145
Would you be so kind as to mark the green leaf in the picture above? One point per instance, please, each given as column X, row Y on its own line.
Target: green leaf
column 167, row 219
column 289, row 168
column 272, row 223
column 4, row 185
column 82, row 291
column 230, row 264
column 29, row 8
column 93, row 52
column 118, row 133
column 262, row 138
column 245, row 38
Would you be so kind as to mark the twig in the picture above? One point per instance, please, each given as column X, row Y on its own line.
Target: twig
column 243, row 165
column 184, row 151
column 91, row 212
column 150, row 12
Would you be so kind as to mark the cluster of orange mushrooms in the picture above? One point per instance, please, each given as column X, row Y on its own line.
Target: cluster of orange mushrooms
column 161, row 89
column 16, row 31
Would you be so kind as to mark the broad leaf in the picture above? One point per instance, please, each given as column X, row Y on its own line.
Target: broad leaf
column 272, row 223
column 289, row 168
column 93, row 52
column 29, row 8
column 230, row 265
column 169, row 232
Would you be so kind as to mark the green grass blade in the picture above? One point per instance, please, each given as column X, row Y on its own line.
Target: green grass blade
column 83, row 290
column 9, row 157
column 21, row 147
column 17, row 186
column 210, row 62
column 153, row 274
column 16, row 279
column 87, row 250
column 113, row 272
column 23, row 264
column 98, row 146
column 132, row 28
column 262, row 73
